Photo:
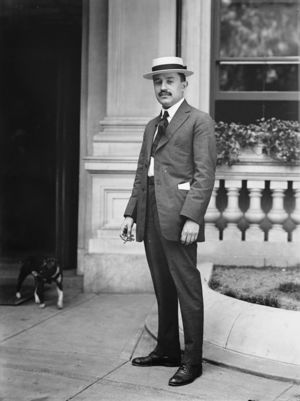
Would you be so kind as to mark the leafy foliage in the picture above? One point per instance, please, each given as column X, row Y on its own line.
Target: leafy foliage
column 280, row 140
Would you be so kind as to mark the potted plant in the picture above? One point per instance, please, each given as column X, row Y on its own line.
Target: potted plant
column 275, row 138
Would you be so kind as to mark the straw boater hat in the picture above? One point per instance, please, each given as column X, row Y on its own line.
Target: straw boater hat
column 167, row 64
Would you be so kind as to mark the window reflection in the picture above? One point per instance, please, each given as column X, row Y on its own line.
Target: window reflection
column 259, row 77
column 258, row 28
column 257, row 60
column 249, row 111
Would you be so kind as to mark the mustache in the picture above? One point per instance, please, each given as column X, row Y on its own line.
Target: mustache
column 163, row 92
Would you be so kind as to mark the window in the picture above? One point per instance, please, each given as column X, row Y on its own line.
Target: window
column 256, row 60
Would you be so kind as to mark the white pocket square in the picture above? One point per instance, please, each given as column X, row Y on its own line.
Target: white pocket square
column 185, row 185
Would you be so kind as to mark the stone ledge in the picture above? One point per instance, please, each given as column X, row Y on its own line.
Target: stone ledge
column 248, row 337
column 116, row 273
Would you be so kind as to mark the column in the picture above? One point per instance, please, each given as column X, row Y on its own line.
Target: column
column 232, row 213
column 277, row 215
column 211, row 216
column 196, row 47
column 254, row 214
column 296, row 213
column 138, row 31
column 93, row 106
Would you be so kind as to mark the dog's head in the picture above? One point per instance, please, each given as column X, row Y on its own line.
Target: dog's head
column 47, row 267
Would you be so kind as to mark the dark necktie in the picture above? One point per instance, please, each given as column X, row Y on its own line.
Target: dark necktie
column 161, row 130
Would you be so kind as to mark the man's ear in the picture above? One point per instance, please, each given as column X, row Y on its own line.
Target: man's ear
column 185, row 84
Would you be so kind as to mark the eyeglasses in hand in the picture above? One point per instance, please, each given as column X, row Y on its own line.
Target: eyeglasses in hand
column 127, row 238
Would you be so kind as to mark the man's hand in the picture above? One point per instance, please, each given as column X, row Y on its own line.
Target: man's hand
column 126, row 228
column 189, row 232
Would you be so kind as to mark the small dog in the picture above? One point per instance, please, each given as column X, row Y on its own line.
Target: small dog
column 44, row 270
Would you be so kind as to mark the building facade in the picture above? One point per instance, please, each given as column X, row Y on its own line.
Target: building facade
column 245, row 58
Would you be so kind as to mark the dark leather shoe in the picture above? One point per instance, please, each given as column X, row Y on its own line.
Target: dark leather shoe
column 185, row 374
column 155, row 360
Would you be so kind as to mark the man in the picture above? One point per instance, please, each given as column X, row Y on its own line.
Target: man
column 172, row 188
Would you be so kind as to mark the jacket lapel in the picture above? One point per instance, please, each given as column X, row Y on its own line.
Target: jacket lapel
column 179, row 118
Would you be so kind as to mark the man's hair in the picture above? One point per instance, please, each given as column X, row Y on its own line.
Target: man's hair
column 181, row 76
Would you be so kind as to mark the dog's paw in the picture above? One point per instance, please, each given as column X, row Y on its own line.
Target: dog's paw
column 18, row 295
column 42, row 306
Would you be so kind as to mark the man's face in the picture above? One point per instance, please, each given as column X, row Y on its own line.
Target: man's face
column 168, row 88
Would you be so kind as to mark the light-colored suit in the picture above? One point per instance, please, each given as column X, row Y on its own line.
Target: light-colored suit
column 186, row 154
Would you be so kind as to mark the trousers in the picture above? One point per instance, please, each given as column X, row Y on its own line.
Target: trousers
column 175, row 277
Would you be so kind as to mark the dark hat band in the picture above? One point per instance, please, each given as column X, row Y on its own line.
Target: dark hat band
column 169, row 67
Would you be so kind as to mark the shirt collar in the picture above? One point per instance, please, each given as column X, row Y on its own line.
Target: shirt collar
column 172, row 110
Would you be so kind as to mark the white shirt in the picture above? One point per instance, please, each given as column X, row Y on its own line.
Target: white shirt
column 171, row 110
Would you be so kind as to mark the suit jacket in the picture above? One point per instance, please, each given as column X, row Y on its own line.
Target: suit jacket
column 185, row 155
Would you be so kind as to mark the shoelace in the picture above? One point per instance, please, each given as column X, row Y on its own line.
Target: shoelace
column 183, row 367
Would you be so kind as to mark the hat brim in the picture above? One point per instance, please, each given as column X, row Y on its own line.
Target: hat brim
column 150, row 75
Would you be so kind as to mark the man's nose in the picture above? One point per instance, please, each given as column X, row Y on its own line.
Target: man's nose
column 163, row 85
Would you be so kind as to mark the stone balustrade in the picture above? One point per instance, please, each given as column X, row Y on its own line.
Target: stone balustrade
column 258, row 202
column 253, row 217
column 255, row 202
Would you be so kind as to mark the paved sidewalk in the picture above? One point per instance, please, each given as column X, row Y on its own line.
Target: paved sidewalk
column 83, row 353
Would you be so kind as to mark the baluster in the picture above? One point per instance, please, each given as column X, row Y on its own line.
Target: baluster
column 296, row 213
column 211, row 216
column 277, row 215
column 232, row 213
column 254, row 214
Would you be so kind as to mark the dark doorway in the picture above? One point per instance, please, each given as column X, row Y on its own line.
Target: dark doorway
column 40, row 45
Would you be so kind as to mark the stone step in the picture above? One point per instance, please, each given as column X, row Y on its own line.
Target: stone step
column 9, row 272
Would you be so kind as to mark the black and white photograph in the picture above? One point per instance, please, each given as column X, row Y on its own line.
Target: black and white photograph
column 149, row 200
